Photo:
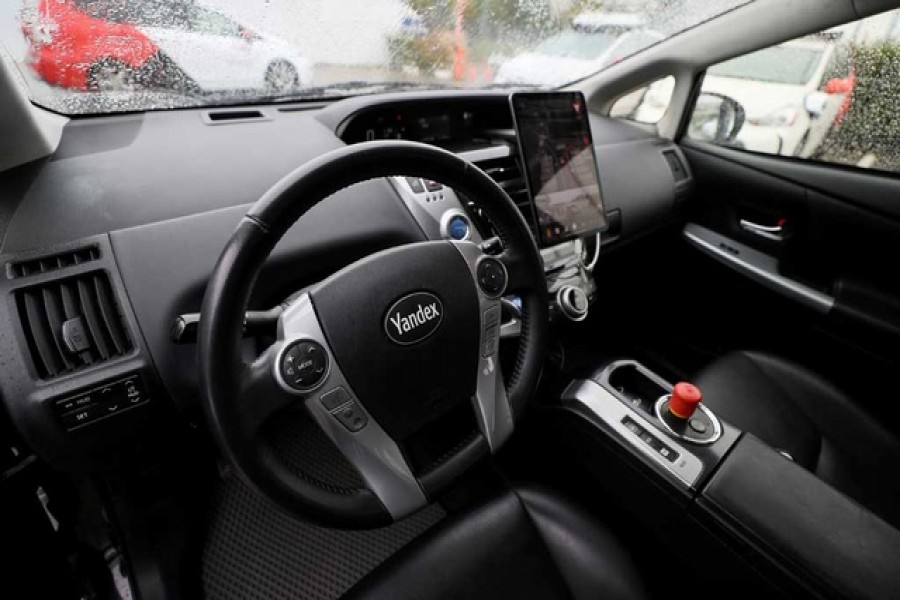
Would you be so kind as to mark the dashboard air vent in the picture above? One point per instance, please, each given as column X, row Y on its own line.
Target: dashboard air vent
column 215, row 117
column 72, row 323
column 508, row 175
column 34, row 266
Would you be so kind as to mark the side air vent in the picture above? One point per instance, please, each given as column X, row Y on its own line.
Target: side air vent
column 52, row 262
column 72, row 323
column 215, row 117
column 675, row 165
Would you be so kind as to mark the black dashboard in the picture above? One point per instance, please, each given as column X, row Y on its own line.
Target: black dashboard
column 115, row 235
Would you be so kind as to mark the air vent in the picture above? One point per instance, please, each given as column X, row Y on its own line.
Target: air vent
column 675, row 165
column 53, row 262
column 72, row 323
column 508, row 175
column 215, row 117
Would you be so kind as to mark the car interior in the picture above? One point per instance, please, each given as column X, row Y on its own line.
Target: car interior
column 377, row 347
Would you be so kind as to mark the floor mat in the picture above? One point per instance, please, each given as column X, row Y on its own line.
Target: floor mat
column 254, row 551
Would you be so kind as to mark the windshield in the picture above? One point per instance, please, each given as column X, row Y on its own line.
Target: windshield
column 576, row 44
column 102, row 56
column 778, row 64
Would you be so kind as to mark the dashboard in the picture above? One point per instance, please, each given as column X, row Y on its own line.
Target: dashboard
column 106, row 243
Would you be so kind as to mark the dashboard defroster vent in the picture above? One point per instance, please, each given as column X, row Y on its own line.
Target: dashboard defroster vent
column 72, row 323
column 44, row 264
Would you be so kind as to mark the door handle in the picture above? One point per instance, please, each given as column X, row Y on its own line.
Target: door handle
column 770, row 232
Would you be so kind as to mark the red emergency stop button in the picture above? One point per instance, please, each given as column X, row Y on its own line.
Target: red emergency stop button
column 684, row 400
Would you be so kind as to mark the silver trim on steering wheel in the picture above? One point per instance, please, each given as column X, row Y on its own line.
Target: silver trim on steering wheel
column 492, row 408
column 362, row 441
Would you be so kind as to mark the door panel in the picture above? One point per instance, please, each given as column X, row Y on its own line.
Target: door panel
column 839, row 239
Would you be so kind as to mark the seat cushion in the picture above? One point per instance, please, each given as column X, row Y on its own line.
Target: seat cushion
column 797, row 411
column 525, row 543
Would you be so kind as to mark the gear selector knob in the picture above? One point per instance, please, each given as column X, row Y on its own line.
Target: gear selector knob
column 685, row 399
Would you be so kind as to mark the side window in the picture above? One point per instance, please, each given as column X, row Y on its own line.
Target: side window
column 647, row 104
column 213, row 23
column 829, row 97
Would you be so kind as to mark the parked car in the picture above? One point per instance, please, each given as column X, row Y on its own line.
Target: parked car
column 788, row 93
column 595, row 40
column 118, row 44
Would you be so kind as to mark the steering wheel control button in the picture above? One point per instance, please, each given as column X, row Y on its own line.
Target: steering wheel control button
column 490, row 341
column 492, row 316
column 351, row 416
column 334, row 399
column 491, row 276
column 304, row 365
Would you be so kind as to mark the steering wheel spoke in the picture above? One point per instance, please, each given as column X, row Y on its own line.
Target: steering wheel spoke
column 261, row 396
column 336, row 408
column 491, row 404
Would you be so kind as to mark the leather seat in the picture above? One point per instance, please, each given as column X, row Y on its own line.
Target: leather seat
column 797, row 411
column 525, row 543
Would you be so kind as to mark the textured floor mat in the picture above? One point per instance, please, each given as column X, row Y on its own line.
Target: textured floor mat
column 254, row 551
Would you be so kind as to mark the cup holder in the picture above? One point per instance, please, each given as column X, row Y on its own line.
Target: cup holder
column 637, row 386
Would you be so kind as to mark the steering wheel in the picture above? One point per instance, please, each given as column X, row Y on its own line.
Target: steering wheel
column 378, row 350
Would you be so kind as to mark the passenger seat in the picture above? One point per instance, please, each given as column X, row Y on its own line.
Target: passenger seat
column 821, row 428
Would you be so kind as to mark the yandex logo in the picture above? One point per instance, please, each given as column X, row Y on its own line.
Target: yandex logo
column 413, row 318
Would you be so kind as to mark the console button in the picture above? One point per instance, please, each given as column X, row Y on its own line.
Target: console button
column 415, row 184
column 667, row 453
column 491, row 276
column 458, row 228
column 698, row 425
column 335, row 398
column 82, row 416
column 76, row 402
column 303, row 365
column 433, row 186
column 352, row 417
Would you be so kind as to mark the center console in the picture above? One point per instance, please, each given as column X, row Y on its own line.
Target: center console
column 739, row 507
column 633, row 404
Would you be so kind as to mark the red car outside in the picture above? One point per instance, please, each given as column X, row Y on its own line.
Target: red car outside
column 72, row 49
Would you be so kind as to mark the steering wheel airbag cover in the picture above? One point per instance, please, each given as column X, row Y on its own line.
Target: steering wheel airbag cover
column 404, row 386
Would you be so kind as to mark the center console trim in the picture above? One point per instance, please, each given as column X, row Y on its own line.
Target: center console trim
column 717, row 426
column 601, row 402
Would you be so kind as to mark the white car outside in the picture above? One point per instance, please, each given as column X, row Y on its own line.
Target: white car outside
column 595, row 41
column 217, row 53
column 779, row 90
